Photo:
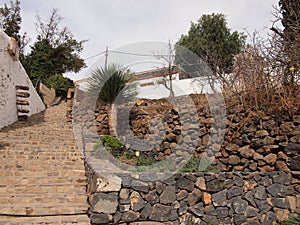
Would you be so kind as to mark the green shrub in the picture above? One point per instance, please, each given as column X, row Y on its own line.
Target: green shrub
column 60, row 84
column 112, row 144
column 129, row 155
column 145, row 161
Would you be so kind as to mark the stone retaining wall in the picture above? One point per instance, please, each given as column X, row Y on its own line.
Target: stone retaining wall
column 248, row 141
column 198, row 198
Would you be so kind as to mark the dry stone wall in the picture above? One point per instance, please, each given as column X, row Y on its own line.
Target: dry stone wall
column 257, row 180
column 252, row 141
column 198, row 198
column 12, row 73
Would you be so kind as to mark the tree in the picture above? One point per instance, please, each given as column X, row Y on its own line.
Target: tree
column 288, row 38
column 10, row 20
column 213, row 42
column 169, row 58
column 51, row 31
column 55, row 51
column 40, row 64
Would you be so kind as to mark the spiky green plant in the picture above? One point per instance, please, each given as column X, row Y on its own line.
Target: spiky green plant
column 112, row 82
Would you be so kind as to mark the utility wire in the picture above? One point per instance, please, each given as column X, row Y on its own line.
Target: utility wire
column 128, row 53
column 139, row 54
column 93, row 56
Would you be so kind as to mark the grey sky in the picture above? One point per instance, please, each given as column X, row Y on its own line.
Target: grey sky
column 116, row 23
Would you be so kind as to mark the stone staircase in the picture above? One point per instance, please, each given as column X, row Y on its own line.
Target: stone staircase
column 42, row 174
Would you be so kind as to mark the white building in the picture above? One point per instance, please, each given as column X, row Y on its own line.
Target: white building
column 150, row 84
column 13, row 75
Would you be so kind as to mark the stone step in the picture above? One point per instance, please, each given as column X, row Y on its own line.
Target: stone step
column 38, row 162
column 65, row 220
column 4, row 152
column 22, row 102
column 43, row 188
column 42, row 157
column 22, row 110
column 30, row 148
column 39, row 166
column 43, row 209
column 22, row 87
column 27, row 135
column 43, row 198
column 39, row 127
column 23, row 94
column 42, row 143
column 41, row 173
column 9, row 180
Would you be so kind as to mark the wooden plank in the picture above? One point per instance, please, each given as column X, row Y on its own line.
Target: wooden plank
column 20, row 87
column 22, row 117
column 22, row 110
column 22, row 102
column 23, row 94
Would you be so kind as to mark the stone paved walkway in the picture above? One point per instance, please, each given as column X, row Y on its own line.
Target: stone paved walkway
column 42, row 175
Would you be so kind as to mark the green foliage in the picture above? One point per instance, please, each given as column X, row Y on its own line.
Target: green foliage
column 55, row 51
column 212, row 40
column 295, row 220
column 45, row 61
column 109, row 83
column 112, row 144
column 10, row 20
column 145, row 161
column 40, row 64
column 60, row 84
column 197, row 164
column 127, row 155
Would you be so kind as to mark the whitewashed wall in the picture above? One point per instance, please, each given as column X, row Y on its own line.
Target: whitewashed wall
column 12, row 73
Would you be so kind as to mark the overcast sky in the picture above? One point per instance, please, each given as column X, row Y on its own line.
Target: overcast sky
column 115, row 23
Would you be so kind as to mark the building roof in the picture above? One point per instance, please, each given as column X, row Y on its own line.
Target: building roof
column 160, row 72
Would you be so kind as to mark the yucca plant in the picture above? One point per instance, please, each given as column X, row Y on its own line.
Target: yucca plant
column 112, row 84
